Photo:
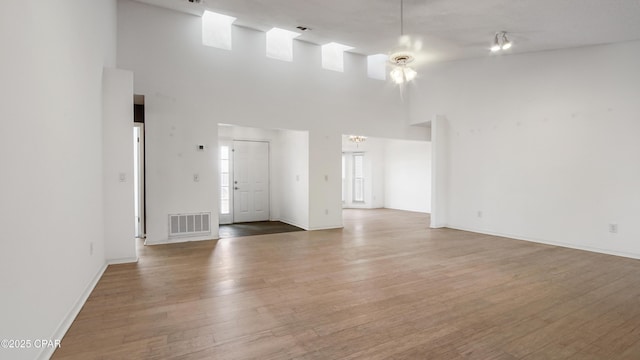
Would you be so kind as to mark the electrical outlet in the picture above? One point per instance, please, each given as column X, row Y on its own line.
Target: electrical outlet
column 326, row 211
column 613, row 228
column 91, row 248
column 196, row 177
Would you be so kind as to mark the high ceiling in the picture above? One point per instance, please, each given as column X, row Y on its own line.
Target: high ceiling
column 447, row 29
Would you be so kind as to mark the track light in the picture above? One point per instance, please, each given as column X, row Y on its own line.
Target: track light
column 506, row 44
column 496, row 44
column 501, row 42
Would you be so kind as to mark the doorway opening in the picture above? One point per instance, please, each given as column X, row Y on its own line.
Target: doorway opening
column 386, row 173
column 353, row 180
column 263, row 180
column 139, row 166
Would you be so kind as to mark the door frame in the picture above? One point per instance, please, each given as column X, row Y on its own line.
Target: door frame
column 224, row 219
column 349, row 181
column 141, row 198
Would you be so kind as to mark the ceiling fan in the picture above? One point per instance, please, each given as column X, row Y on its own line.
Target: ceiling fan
column 404, row 55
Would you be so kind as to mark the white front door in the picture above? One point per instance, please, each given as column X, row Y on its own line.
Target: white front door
column 250, row 181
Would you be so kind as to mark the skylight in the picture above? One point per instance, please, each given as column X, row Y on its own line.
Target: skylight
column 377, row 66
column 280, row 44
column 333, row 56
column 216, row 30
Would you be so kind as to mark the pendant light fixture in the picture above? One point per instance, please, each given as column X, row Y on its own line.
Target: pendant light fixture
column 402, row 72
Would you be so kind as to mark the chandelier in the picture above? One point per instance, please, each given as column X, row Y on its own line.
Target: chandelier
column 357, row 138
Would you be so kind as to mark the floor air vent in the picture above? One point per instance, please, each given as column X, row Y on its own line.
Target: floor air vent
column 189, row 224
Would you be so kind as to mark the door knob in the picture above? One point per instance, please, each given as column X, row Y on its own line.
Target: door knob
column 235, row 188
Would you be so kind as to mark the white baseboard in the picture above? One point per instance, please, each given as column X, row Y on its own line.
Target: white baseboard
column 181, row 240
column 548, row 242
column 308, row 228
column 316, row 228
column 409, row 210
column 293, row 223
column 361, row 206
column 66, row 322
column 122, row 261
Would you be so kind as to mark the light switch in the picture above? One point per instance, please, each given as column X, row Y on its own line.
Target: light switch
column 196, row 177
column 122, row 177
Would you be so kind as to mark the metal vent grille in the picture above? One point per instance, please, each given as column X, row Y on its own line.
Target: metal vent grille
column 189, row 224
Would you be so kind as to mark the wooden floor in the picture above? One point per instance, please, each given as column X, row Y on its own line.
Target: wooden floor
column 384, row 287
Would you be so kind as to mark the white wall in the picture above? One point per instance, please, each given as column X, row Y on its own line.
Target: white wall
column 293, row 178
column 408, row 175
column 544, row 145
column 189, row 88
column 53, row 54
column 439, row 171
column 117, row 128
column 325, row 180
column 173, row 130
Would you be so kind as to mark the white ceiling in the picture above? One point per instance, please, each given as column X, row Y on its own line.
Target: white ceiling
column 447, row 29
